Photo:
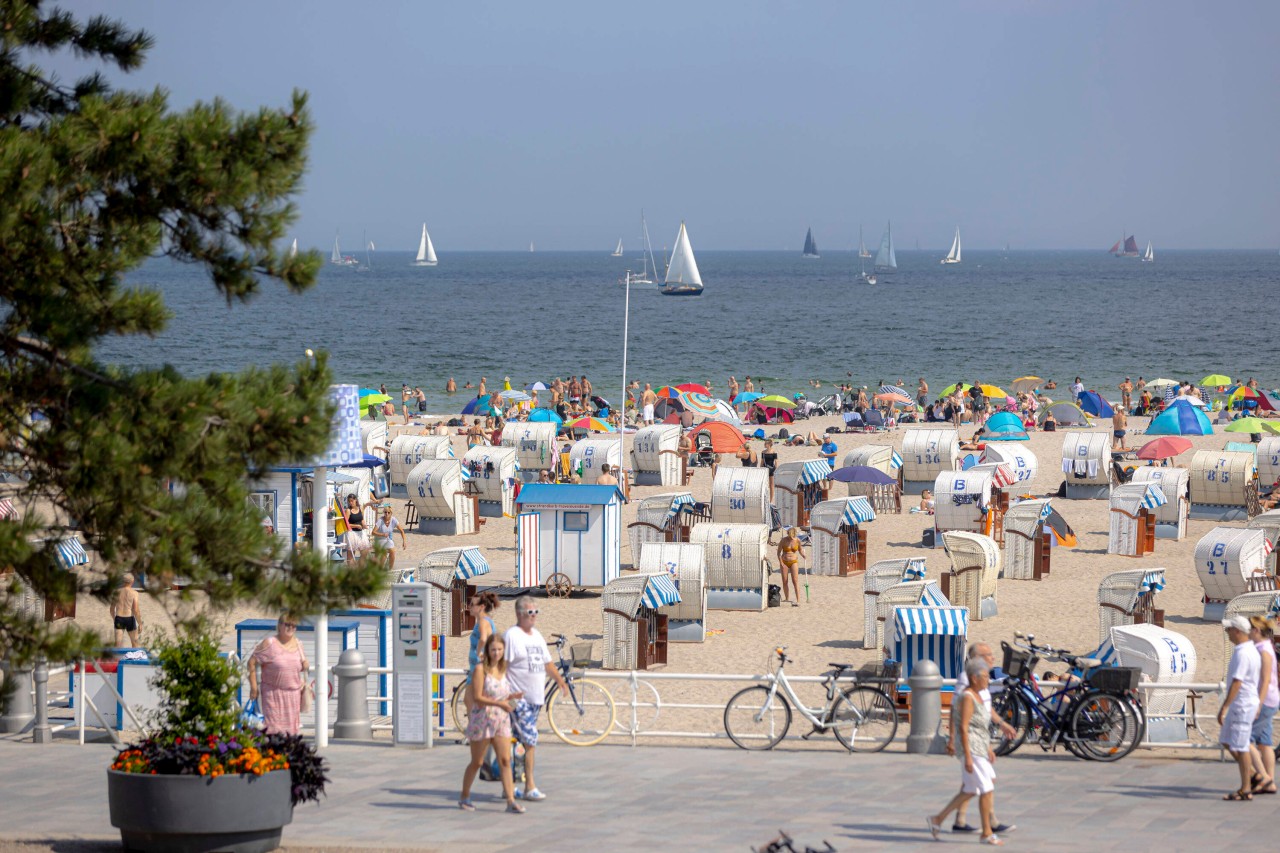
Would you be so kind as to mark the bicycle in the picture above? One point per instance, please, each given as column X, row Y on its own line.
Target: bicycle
column 862, row 717
column 1097, row 717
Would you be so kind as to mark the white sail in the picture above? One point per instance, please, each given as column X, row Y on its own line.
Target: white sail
column 1150, row 255
column 862, row 246
column 426, row 251
column 293, row 250
column 336, row 257
column 530, row 245
column 372, row 248
column 885, row 258
column 617, row 253
column 953, row 257
column 683, row 269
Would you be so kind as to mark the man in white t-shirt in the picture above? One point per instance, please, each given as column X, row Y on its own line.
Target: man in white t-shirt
column 528, row 665
column 983, row 651
column 1241, row 703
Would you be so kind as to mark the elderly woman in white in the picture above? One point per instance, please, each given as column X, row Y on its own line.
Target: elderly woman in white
column 976, row 753
column 1241, row 703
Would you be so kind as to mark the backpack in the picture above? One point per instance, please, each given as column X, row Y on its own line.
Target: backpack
column 775, row 595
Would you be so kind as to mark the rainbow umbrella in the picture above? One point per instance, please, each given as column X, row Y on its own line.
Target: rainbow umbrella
column 668, row 392
column 894, row 398
column 775, row 401
column 699, row 403
column 693, row 388
column 591, row 424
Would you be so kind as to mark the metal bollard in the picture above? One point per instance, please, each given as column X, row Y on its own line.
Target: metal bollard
column 20, row 712
column 352, row 720
column 41, row 732
column 926, row 709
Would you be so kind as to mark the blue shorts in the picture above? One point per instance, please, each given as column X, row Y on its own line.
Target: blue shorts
column 1261, row 732
column 524, row 722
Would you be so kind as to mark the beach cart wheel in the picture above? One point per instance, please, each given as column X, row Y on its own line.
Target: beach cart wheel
column 559, row 585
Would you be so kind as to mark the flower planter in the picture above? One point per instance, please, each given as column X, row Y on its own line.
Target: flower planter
column 198, row 814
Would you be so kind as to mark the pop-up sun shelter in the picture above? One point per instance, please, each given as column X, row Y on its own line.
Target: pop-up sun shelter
column 1065, row 414
column 568, row 536
column 1180, row 418
column 447, row 571
column 1091, row 402
column 839, row 545
column 1227, row 560
column 1005, row 426
column 686, row 564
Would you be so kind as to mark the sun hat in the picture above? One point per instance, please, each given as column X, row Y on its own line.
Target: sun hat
column 1236, row 621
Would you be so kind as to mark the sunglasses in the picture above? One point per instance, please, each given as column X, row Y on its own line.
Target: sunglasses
column 288, row 624
column 530, row 613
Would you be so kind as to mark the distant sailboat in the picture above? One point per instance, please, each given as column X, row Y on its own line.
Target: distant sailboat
column 953, row 257
column 1150, row 256
column 862, row 246
column 810, row 247
column 293, row 250
column 530, row 245
column 426, row 251
column 617, row 253
column 886, row 259
column 1130, row 245
column 340, row 259
column 683, row 278
column 368, row 254
column 649, row 265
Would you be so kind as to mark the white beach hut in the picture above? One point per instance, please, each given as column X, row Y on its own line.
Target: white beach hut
column 936, row 633
column 906, row 594
column 926, row 453
column 407, row 451
column 373, row 436
column 535, row 446
column 1171, row 517
column 1129, row 598
column 963, row 501
column 686, row 564
column 436, row 492
column 1261, row 603
column 655, row 456
column 588, row 455
column 1268, row 459
column 798, row 487
column 740, row 495
column 661, row 518
column 880, row 576
column 492, row 472
column 1269, row 523
column 1166, row 658
column 446, row 571
column 1224, row 485
column 1021, row 461
column 838, row 543
column 975, row 567
column 1027, row 544
column 737, row 560
column 1227, row 560
column 568, row 536
column 1133, row 519
column 635, row 628
column 1086, row 465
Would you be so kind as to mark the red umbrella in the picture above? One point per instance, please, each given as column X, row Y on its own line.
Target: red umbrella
column 724, row 438
column 1164, row 447
column 694, row 388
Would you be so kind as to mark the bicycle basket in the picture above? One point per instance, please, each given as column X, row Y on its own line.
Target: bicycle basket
column 887, row 671
column 1114, row 679
column 1017, row 663
column 581, row 654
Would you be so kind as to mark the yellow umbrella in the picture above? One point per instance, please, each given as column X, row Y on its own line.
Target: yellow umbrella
column 1215, row 379
column 1023, row 384
column 992, row 391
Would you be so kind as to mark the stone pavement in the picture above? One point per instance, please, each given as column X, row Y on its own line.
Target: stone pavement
column 609, row 798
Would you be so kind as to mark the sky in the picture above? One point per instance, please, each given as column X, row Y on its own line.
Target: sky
column 1041, row 124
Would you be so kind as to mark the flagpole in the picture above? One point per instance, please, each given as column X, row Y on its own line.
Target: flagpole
column 622, row 424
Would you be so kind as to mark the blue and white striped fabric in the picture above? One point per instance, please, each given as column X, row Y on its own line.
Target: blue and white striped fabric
column 1105, row 653
column 1046, row 510
column 1170, row 392
column 471, row 562
column 1152, row 581
column 893, row 389
column 930, row 633
column 932, row 596
column 1154, row 497
column 914, row 571
column 1274, row 609
column 71, row 553
column 660, row 591
column 857, row 511
column 895, row 461
column 815, row 471
column 677, row 502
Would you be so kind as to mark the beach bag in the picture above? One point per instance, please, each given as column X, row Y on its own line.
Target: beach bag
column 251, row 716
column 775, row 595
column 833, row 429
column 308, row 697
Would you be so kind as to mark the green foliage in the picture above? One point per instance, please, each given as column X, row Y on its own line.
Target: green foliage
column 94, row 182
column 198, row 686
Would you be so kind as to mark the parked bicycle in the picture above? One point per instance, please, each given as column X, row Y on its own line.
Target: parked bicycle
column 1095, row 712
column 862, row 717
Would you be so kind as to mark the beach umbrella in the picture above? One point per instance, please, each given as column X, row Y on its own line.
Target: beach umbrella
column 947, row 391
column 1252, row 425
column 1216, row 379
column 993, row 391
column 518, row 396
column 746, row 397
column 477, row 406
column 548, row 415
column 726, row 413
column 365, row 392
column 667, row 392
column 375, row 398
column 591, row 424
column 1092, row 403
column 694, row 388
column 1024, row 384
column 893, row 389
column 861, row 474
column 1180, row 418
column 1161, row 384
column 895, row 398
column 699, row 404
column 774, row 401
column 536, row 386
column 369, row 461
column 724, row 437
column 1165, row 447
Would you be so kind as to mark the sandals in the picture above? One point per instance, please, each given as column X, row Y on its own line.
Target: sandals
column 992, row 839
column 934, row 828
column 515, row 808
column 1239, row 796
column 466, row 805
column 1257, row 786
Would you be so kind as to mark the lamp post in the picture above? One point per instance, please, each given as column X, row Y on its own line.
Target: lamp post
column 622, row 422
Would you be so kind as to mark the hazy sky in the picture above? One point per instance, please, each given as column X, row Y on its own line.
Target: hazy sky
column 1047, row 125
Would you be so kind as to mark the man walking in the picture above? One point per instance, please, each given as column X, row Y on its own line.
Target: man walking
column 528, row 665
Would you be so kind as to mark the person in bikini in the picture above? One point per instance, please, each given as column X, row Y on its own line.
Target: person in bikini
column 790, row 550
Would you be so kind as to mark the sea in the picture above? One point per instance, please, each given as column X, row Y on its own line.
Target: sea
column 784, row 320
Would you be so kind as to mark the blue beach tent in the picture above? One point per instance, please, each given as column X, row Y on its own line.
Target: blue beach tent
column 1092, row 403
column 1005, row 426
column 1180, row 418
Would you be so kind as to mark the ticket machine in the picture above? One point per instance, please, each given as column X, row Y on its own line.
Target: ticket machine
column 412, row 662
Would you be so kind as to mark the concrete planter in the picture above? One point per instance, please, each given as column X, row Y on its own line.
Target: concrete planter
column 196, row 814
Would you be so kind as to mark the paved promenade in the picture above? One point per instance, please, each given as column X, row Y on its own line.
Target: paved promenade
column 686, row 798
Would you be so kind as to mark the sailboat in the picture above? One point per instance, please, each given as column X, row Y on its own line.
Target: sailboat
column 426, row 251
column 617, row 253
column 886, row 260
column 862, row 247
column 368, row 254
column 530, row 245
column 953, row 257
column 682, row 272
column 648, row 264
column 1130, row 245
column 340, row 259
column 1150, row 256
column 810, row 247
column 293, row 250
column 862, row 270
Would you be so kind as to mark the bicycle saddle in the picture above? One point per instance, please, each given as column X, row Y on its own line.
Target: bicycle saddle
column 840, row 665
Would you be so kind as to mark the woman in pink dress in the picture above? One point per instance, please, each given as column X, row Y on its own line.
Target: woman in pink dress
column 284, row 668
column 489, row 723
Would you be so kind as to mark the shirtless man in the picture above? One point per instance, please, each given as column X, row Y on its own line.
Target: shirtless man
column 606, row 477
column 922, row 392
column 575, row 390
column 586, row 388
column 733, row 388
column 1119, row 424
column 126, row 612
column 789, row 553
column 647, row 401
column 450, row 386
column 482, row 390
column 1126, row 394
column 749, row 386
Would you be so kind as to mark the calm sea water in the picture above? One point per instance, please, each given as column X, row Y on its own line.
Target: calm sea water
column 774, row 316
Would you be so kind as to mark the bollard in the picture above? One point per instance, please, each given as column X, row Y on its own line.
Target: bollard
column 20, row 712
column 926, row 708
column 352, row 720
column 42, row 732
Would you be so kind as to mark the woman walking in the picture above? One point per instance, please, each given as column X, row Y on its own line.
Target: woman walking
column 284, row 669
column 1261, row 743
column 489, row 722
column 977, row 776
column 384, row 529
column 357, row 537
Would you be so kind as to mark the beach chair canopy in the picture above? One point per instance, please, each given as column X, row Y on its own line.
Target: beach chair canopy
column 845, row 512
column 1180, row 418
column 930, row 633
column 813, row 471
column 1066, row 414
column 467, row 562
column 629, row 594
column 71, row 553
column 1133, row 496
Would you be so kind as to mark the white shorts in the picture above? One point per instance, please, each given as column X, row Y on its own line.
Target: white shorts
column 648, row 412
column 1236, row 727
column 983, row 778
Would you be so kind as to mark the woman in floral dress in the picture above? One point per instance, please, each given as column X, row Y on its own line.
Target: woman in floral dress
column 489, row 723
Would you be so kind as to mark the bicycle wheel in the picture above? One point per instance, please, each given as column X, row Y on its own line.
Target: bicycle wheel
column 1011, row 707
column 1104, row 726
column 585, row 715
column 458, row 707
column 863, row 719
column 753, row 720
